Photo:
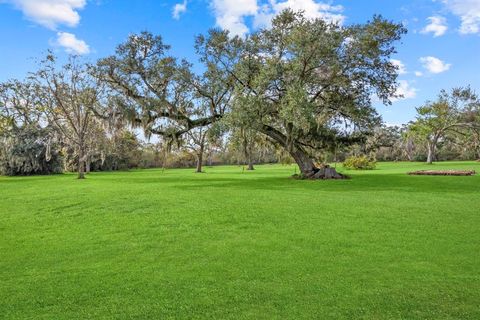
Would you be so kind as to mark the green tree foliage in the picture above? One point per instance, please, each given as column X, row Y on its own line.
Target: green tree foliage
column 26, row 148
column 29, row 150
column 307, row 84
column 160, row 94
column 249, row 145
column 454, row 112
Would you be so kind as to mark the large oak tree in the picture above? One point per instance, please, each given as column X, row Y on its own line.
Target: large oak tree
column 308, row 84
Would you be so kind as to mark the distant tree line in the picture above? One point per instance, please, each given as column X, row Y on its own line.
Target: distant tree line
column 300, row 91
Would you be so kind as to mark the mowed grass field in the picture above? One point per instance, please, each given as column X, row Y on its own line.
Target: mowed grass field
column 229, row 244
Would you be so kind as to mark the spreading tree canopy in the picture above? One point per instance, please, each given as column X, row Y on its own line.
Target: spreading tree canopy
column 159, row 93
column 452, row 112
column 306, row 84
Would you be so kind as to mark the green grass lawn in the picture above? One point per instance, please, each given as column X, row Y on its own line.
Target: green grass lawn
column 229, row 244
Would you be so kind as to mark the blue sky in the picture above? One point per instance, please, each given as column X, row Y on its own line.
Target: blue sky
column 441, row 49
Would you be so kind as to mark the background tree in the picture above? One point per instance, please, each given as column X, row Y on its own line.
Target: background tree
column 196, row 141
column 385, row 143
column 28, row 150
column 19, row 103
column 248, row 143
column 28, row 145
column 445, row 115
column 307, row 84
column 70, row 96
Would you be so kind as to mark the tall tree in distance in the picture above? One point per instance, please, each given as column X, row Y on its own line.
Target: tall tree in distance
column 196, row 141
column 70, row 97
column 307, row 84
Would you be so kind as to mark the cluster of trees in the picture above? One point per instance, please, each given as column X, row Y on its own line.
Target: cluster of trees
column 446, row 128
column 300, row 90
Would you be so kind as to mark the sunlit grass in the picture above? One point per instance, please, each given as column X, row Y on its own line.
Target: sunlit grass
column 231, row 244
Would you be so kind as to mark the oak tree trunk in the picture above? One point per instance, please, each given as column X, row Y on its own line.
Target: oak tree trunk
column 310, row 171
column 304, row 161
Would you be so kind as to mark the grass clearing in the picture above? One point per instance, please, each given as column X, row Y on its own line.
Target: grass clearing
column 229, row 244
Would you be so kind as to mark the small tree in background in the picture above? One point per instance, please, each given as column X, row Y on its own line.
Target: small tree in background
column 447, row 114
column 196, row 141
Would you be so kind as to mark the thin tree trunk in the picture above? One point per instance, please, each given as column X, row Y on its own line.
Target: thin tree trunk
column 81, row 164
column 87, row 165
column 431, row 152
column 210, row 160
column 199, row 160
column 248, row 156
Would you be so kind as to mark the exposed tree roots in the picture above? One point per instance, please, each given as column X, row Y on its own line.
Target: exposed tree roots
column 323, row 173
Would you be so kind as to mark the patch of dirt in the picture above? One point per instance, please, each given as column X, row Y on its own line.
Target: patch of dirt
column 443, row 173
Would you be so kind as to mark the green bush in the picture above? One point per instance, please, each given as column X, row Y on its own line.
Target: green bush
column 359, row 163
column 29, row 150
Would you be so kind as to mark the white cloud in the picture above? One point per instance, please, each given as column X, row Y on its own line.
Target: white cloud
column 179, row 9
column 469, row 13
column 400, row 66
column 72, row 44
column 405, row 91
column 437, row 26
column 418, row 73
column 51, row 13
column 311, row 8
column 231, row 14
column 434, row 65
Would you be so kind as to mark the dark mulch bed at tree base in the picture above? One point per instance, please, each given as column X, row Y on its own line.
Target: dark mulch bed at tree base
column 443, row 173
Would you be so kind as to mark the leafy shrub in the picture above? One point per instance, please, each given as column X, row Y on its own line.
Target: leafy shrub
column 29, row 150
column 359, row 163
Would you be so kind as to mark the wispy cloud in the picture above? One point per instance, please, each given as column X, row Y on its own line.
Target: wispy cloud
column 179, row 9
column 437, row 26
column 469, row 13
